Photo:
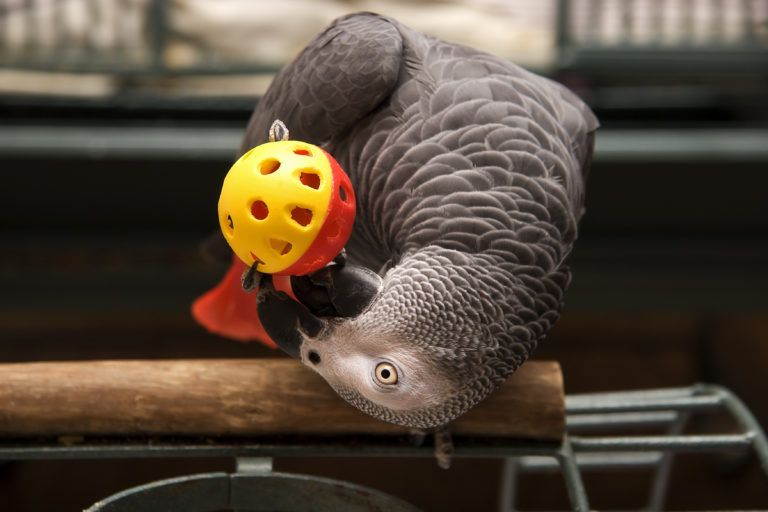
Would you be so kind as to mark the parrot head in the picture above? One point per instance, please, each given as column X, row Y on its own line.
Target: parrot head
column 394, row 347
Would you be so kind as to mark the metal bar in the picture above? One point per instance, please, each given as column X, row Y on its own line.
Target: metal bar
column 595, row 22
column 717, row 22
column 121, row 142
column 254, row 465
column 54, row 56
column 748, row 22
column 692, row 403
column 508, row 485
column 693, row 443
column 628, row 395
column 5, row 24
column 688, row 20
column 573, row 483
column 564, row 37
column 583, row 422
column 593, row 461
column 664, row 469
column 90, row 52
column 158, row 449
column 627, row 21
column 746, row 421
column 157, row 34
column 217, row 143
column 29, row 47
column 658, row 8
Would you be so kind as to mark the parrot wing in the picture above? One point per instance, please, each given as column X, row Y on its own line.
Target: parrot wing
column 344, row 74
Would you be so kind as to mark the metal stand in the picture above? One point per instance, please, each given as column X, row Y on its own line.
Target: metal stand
column 670, row 409
column 594, row 441
column 254, row 488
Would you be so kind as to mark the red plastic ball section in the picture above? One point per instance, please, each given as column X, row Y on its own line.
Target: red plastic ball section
column 336, row 229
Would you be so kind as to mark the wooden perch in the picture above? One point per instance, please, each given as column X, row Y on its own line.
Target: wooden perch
column 256, row 397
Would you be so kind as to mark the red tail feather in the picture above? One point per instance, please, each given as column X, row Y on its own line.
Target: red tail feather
column 229, row 311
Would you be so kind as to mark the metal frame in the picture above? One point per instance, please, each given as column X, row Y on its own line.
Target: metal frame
column 212, row 143
column 120, row 58
column 670, row 409
column 581, row 450
column 594, row 52
column 252, row 489
column 590, row 52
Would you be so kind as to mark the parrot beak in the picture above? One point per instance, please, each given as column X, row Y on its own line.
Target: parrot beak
column 285, row 320
column 335, row 291
column 345, row 290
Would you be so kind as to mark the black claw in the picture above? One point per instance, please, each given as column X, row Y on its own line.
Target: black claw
column 251, row 278
column 341, row 258
column 285, row 320
column 443, row 447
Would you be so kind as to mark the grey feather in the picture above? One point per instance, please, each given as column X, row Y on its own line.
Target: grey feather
column 469, row 173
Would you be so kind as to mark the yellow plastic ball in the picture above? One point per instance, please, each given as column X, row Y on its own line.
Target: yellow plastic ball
column 274, row 201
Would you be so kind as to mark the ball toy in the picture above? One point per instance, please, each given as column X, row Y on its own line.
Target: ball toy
column 286, row 206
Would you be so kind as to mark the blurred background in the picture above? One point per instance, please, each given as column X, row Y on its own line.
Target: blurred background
column 119, row 119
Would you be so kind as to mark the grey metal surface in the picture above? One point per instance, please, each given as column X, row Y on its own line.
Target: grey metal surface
column 48, row 43
column 196, row 493
column 218, row 143
column 99, row 449
column 610, row 414
column 660, row 37
column 145, row 142
column 250, row 492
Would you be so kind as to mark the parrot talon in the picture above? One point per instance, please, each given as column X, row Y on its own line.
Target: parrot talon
column 443, row 447
column 251, row 279
column 266, row 288
column 341, row 258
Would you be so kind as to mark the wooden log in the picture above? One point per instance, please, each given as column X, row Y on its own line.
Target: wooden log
column 252, row 397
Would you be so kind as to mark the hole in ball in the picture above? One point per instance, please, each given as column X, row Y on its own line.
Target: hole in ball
column 342, row 193
column 281, row 246
column 301, row 216
column 259, row 210
column 314, row 357
column 310, row 179
column 269, row 166
column 302, row 152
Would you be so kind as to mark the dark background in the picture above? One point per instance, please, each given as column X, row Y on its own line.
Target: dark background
column 99, row 260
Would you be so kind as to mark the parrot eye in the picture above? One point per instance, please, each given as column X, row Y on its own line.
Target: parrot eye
column 386, row 374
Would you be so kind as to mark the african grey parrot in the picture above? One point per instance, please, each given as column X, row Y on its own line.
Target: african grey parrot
column 469, row 175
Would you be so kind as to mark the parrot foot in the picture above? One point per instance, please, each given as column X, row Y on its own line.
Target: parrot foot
column 251, row 279
column 443, row 447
